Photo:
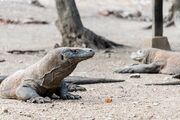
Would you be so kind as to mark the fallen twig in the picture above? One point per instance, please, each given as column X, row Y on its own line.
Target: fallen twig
column 8, row 21
column 26, row 51
column 28, row 21
column 2, row 60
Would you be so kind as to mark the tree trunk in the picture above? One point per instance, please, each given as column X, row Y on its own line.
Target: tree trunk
column 74, row 34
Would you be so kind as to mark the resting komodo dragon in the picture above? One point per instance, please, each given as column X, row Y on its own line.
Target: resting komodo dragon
column 154, row 61
column 41, row 80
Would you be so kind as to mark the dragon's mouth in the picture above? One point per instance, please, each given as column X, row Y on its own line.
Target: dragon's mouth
column 137, row 57
column 81, row 54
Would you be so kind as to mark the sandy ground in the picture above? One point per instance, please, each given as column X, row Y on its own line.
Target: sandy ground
column 131, row 100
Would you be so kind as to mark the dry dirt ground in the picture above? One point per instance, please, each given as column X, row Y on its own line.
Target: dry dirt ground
column 131, row 100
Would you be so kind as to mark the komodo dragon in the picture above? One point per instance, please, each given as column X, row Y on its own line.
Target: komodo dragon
column 154, row 61
column 48, row 76
column 39, row 81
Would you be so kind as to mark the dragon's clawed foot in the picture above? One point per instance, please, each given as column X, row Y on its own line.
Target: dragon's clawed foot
column 69, row 96
column 74, row 87
column 39, row 100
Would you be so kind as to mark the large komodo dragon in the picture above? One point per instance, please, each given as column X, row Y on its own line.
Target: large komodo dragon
column 41, row 80
column 154, row 61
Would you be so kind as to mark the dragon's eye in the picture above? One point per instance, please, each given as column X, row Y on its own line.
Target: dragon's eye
column 139, row 51
column 62, row 57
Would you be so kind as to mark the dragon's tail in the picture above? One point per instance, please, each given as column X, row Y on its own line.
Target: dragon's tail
column 2, row 78
column 167, row 83
column 86, row 80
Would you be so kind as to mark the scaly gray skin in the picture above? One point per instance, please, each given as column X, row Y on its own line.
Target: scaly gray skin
column 40, row 81
column 154, row 61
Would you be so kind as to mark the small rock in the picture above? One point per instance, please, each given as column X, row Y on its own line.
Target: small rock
column 81, row 103
column 20, row 61
column 154, row 89
column 156, row 104
column 104, row 12
column 135, row 75
column 5, row 110
column 107, row 100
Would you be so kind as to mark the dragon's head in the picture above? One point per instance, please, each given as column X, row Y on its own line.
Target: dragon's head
column 140, row 55
column 74, row 55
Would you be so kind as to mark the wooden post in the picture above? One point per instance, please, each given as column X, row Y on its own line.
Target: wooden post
column 157, row 18
column 158, row 40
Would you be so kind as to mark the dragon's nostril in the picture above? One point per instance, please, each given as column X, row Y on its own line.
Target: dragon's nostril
column 75, row 51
